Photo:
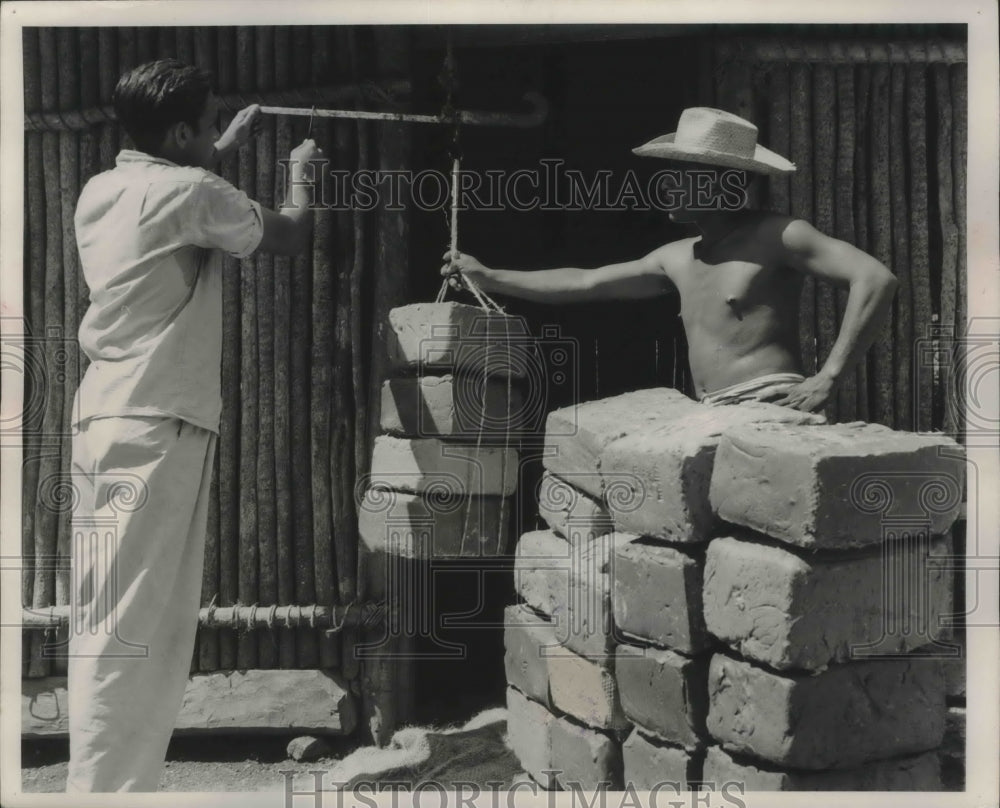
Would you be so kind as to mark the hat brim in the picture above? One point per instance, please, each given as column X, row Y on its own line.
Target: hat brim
column 764, row 161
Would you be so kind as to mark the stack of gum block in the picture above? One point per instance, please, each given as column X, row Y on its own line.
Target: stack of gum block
column 826, row 588
column 565, row 719
column 607, row 655
column 443, row 472
column 738, row 594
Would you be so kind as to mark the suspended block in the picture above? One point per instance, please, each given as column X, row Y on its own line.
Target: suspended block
column 435, row 337
column 452, row 406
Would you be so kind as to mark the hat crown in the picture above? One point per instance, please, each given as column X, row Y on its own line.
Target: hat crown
column 716, row 130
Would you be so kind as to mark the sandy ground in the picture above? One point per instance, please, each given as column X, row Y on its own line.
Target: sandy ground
column 193, row 764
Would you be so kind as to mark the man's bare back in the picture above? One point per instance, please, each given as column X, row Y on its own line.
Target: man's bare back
column 739, row 305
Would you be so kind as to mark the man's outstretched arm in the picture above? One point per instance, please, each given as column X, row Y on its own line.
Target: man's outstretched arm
column 872, row 287
column 630, row 280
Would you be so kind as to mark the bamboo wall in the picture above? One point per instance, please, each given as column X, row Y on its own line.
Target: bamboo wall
column 878, row 133
column 302, row 349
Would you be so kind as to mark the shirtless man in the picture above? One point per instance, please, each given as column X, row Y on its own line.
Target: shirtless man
column 739, row 281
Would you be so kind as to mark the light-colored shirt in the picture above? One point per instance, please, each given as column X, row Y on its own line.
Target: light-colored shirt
column 151, row 235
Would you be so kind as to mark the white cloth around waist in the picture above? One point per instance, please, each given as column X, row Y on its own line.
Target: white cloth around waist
column 754, row 389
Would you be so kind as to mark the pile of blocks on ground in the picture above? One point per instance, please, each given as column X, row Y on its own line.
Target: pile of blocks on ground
column 699, row 609
column 443, row 473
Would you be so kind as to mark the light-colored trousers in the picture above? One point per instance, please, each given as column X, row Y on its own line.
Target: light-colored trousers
column 138, row 548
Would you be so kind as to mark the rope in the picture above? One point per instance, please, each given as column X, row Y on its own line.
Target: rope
column 211, row 608
column 454, row 208
column 337, row 627
column 479, row 442
column 447, row 79
column 453, row 228
column 496, row 306
column 51, row 618
column 486, row 303
column 506, row 439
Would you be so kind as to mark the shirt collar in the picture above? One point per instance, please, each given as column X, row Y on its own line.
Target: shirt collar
column 133, row 157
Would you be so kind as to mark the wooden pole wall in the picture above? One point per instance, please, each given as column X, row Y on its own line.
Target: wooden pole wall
column 872, row 132
column 385, row 694
column 215, row 50
column 944, row 180
column 880, row 212
column 347, row 344
column 323, row 315
column 341, row 416
column 301, row 383
column 920, row 386
column 47, row 522
column 267, row 518
column 802, row 201
column 350, row 343
column 862, row 191
column 779, row 134
column 847, row 393
column 281, row 376
column 902, row 337
column 824, row 178
column 960, row 129
column 246, row 648
column 68, row 98
column 35, row 392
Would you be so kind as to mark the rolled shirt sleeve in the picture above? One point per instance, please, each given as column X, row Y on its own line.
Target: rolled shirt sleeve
column 225, row 218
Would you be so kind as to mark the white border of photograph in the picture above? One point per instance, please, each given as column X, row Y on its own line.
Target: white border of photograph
column 983, row 690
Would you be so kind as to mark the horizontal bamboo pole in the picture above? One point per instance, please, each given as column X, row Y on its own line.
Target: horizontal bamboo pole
column 468, row 117
column 383, row 91
column 856, row 52
column 244, row 617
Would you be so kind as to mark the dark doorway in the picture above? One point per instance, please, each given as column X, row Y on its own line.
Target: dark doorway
column 605, row 97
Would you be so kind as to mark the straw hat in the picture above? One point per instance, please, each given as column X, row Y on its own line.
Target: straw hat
column 706, row 135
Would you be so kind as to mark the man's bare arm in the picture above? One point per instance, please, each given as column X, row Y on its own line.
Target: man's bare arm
column 871, row 285
column 287, row 230
column 630, row 280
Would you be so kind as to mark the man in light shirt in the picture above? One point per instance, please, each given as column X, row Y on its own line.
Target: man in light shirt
column 151, row 232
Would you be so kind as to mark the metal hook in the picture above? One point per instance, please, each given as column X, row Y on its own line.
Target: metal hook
column 312, row 114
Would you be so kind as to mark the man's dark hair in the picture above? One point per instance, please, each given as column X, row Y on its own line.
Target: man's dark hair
column 152, row 97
